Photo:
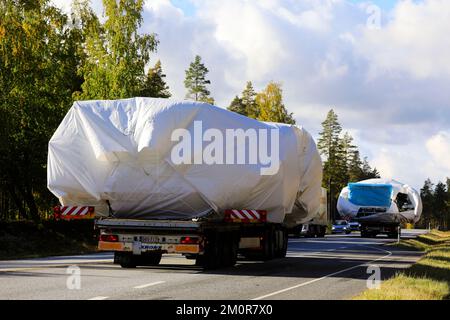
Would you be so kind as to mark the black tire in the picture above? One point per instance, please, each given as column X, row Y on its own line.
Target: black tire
column 127, row 261
column 322, row 232
column 281, row 253
column 312, row 231
column 234, row 248
column 211, row 259
column 393, row 235
column 228, row 250
column 151, row 259
column 269, row 245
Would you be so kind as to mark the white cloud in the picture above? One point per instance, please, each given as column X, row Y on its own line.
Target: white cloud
column 389, row 86
column 439, row 148
column 413, row 42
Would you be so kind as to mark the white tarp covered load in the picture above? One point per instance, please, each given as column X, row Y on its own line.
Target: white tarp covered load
column 122, row 151
column 404, row 205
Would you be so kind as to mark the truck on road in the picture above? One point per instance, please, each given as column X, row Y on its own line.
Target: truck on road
column 164, row 176
column 380, row 206
column 212, row 244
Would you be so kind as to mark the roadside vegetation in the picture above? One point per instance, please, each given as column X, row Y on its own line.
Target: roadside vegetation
column 428, row 279
column 26, row 239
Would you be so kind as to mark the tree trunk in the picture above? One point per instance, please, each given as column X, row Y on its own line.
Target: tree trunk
column 27, row 195
column 17, row 201
column 31, row 203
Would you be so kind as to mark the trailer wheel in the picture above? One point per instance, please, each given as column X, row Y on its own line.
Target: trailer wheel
column 211, row 259
column 281, row 253
column 298, row 231
column 269, row 244
column 229, row 246
column 151, row 259
column 127, row 260
column 234, row 248
column 322, row 231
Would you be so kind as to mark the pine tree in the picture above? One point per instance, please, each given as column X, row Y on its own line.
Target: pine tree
column 249, row 101
column 330, row 147
column 351, row 156
column 440, row 208
column 448, row 204
column 195, row 82
column 329, row 141
column 270, row 105
column 355, row 172
column 426, row 194
column 237, row 106
column 368, row 172
column 154, row 85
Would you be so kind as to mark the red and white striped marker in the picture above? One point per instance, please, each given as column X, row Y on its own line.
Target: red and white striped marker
column 246, row 215
column 74, row 212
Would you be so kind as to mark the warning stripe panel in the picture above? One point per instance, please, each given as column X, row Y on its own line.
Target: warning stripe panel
column 245, row 215
column 74, row 212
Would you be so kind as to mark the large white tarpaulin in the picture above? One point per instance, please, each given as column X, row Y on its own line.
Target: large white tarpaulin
column 404, row 203
column 122, row 151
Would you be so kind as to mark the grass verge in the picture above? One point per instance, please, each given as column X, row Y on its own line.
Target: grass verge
column 26, row 239
column 428, row 279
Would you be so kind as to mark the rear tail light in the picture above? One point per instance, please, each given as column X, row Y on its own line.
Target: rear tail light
column 189, row 240
column 263, row 214
column 57, row 211
column 109, row 238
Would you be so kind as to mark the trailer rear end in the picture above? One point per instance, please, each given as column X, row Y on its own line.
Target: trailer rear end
column 211, row 243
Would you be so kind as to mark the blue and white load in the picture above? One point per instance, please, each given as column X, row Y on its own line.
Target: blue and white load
column 380, row 200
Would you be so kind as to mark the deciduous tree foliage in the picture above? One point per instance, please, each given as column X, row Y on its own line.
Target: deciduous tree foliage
column 116, row 53
column 196, row 82
column 38, row 73
column 46, row 60
column 270, row 105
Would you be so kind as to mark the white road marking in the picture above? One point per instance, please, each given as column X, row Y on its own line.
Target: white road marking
column 149, row 285
column 324, row 277
column 99, row 298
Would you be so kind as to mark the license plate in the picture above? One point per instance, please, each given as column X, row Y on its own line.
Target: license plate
column 150, row 239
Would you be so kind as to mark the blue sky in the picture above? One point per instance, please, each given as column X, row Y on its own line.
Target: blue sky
column 388, row 85
column 185, row 5
column 383, row 4
column 189, row 8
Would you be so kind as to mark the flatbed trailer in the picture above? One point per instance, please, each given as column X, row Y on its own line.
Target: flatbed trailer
column 213, row 244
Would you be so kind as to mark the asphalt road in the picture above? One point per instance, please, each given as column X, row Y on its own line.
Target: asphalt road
column 334, row 267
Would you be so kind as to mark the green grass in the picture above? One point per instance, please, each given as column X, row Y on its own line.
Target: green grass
column 428, row 279
column 26, row 239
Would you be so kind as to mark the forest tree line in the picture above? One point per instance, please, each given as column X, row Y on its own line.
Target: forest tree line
column 49, row 59
column 436, row 205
